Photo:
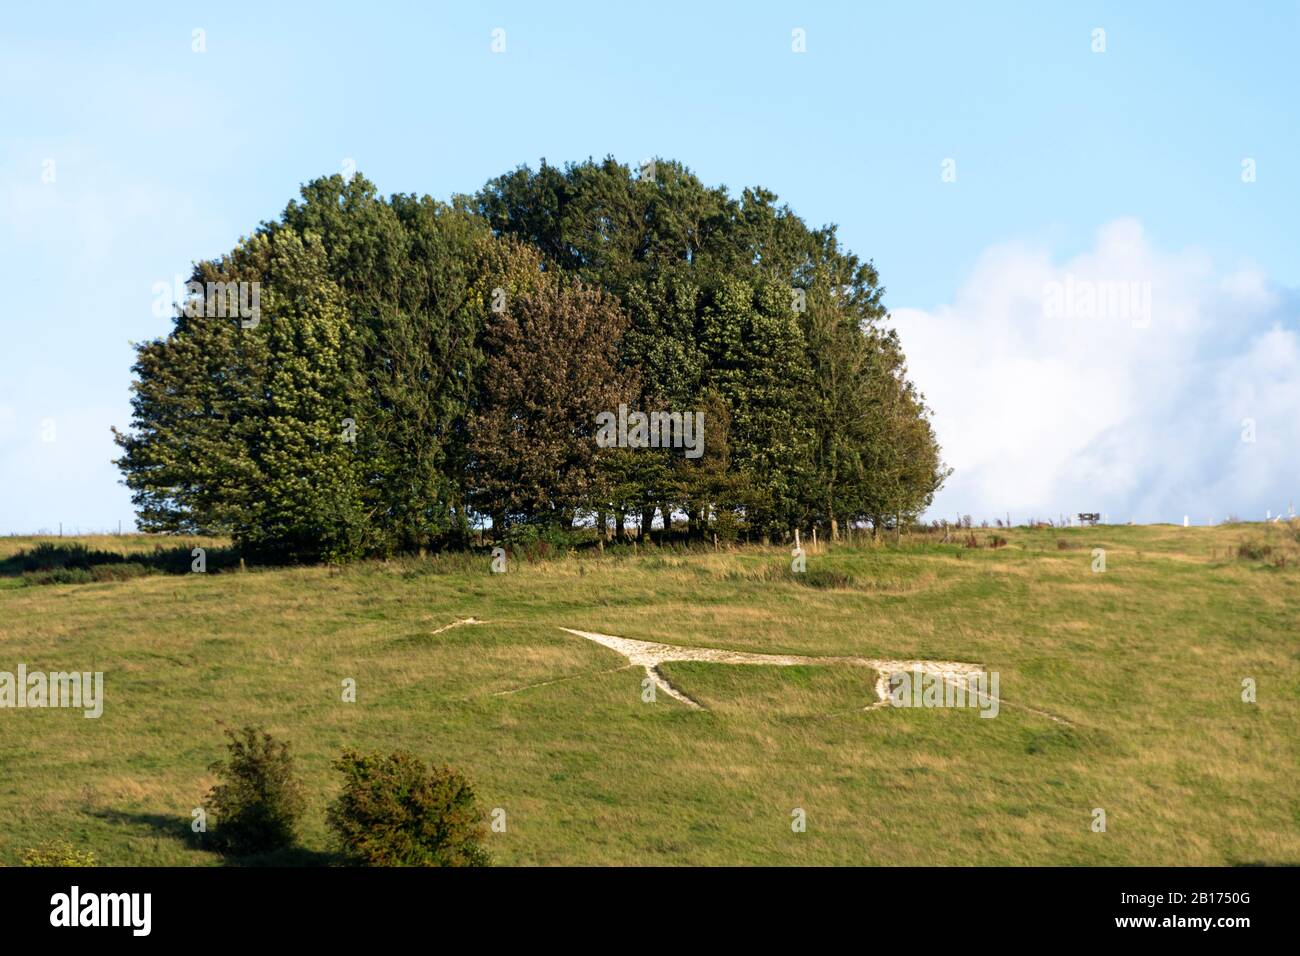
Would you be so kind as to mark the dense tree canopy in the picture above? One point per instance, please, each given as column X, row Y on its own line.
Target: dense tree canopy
column 417, row 368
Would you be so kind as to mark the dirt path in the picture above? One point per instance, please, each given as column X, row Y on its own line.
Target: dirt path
column 461, row 623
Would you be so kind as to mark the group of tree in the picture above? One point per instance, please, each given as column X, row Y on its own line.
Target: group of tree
column 418, row 370
column 393, row 809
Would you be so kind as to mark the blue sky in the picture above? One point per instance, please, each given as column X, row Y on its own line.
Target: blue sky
column 1126, row 162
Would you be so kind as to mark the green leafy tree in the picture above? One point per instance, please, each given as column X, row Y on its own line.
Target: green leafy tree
column 370, row 316
column 395, row 811
column 410, row 271
column 259, row 798
column 903, row 468
column 241, row 421
column 551, row 368
column 804, row 388
column 304, row 497
column 418, row 365
column 757, row 364
column 190, row 403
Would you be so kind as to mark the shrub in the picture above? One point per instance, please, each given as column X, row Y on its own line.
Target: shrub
column 395, row 811
column 726, row 526
column 826, row 578
column 58, row 576
column 47, row 556
column 57, row 853
column 74, row 563
column 260, row 799
column 118, row 572
column 1253, row 551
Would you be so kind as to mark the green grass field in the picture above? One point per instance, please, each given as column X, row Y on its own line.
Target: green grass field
column 1143, row 662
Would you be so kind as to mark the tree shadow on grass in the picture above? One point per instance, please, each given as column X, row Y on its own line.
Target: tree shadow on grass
column 161, row 825
column 288, row 856
column 74, row 563
column 157, row 824
column 1263, row 863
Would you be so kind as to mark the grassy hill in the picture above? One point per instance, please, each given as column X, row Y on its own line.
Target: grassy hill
column 1143, row 664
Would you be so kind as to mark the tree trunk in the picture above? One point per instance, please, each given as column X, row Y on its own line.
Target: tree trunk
column 700, row 523
column 647, row 519
column 620, row 529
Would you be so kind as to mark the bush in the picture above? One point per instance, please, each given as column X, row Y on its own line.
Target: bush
column 726, row 526
column 47, row 556
column 539, row 541
column 58, row 576
column 74, row 563
column 118, row 572
column 1253, row 551
column 395, row 811
column 828, row 578
column 259, row 800
column 57, row 853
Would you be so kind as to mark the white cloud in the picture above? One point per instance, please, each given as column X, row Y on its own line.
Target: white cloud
column 1051, row 398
